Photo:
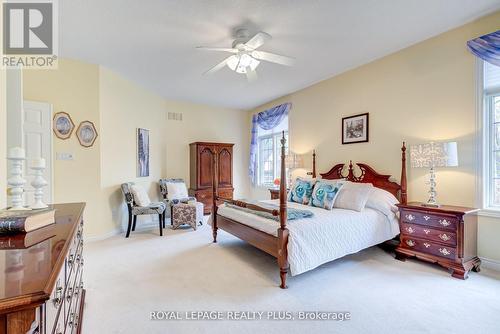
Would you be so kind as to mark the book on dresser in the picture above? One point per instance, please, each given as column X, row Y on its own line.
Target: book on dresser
column 25, row 221
column 26, row 240
column 445, row 235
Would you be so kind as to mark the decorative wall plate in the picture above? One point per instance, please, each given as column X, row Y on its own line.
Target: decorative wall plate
column 86, row 133
column 62, row 125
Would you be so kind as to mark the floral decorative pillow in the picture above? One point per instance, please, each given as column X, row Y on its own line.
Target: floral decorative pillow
column 324, row 194
column 301, row 191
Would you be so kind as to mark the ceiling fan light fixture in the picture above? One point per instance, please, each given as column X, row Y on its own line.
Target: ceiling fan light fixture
column 241, row 62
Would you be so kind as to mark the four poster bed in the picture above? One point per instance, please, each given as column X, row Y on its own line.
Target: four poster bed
column 308, row 243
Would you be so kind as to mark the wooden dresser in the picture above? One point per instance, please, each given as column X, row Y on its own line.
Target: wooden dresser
column 446, row 235
column 204, row 157
column 41, row 287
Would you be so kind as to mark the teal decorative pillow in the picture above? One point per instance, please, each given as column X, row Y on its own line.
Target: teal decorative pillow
column 301, row 191
column 324, row 194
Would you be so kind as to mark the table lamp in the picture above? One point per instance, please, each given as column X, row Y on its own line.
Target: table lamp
column 432, row 155
column 293, row 161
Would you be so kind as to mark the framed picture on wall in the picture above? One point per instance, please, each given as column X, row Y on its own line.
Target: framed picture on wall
column 355, row 129
column 86, row 133
column 62, row 125
column 142, row 152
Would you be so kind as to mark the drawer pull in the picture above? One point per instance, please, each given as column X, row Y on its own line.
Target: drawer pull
column 410, row 230
column 444, row 222
column 427, row 218
column 410, row 217
column 426, row 231
column 444, row 237
column 410, row 243
column 69, row 294
column 427, row 245
column 70, row 260
column 58, row 296
column 444, row 251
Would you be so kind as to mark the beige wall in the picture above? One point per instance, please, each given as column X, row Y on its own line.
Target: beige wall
column 73, row 88
column 118, row 107
column 124, row 107
column 422, row 93
column 202, row 123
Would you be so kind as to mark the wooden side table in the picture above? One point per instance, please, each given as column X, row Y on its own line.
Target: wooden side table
column 275, row 193
column 446, row 235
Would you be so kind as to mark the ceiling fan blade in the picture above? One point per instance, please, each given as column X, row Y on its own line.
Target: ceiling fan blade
column 251, row 75
column 217, row 49
column 257, row 40
column 217, row 67
column 273, row 58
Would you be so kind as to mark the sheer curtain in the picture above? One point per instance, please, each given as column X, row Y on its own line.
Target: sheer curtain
column 265, row 120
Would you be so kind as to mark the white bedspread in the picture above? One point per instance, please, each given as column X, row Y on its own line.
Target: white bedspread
column 327, row 236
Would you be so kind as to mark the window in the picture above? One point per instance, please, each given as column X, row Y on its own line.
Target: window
column 492, row 136
column 269, row 153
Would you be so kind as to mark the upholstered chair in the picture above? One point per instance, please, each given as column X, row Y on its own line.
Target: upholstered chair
column 135, row 209
column 174, row 191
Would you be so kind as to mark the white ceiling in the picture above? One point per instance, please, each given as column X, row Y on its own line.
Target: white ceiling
column 153, row 42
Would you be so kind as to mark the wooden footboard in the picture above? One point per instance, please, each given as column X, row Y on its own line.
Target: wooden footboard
column 261, row 240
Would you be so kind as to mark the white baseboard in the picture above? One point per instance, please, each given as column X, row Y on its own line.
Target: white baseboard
column 490, row 264
column 104, row 236
column 141, row 226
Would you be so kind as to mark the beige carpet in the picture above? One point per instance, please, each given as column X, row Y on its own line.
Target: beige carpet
column 126, row 279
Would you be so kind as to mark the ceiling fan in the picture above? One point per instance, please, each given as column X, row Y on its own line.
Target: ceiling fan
column 246, row 58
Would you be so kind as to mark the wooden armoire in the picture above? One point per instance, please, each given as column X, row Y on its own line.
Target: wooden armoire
column 203, row 158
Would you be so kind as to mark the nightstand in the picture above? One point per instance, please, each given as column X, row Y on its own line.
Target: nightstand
column 275, row 193
column 446, row 235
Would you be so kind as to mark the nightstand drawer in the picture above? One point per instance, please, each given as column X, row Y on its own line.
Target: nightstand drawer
column 425, row 246
column 429, row 219
column 425, row 232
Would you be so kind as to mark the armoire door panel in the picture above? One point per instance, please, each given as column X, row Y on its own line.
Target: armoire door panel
column 225, row 172
column 205, row 169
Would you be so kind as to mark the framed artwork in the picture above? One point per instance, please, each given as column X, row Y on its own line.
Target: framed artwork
column 142, row 152
column 355, row 129
column 62, row 125
column 86, row 133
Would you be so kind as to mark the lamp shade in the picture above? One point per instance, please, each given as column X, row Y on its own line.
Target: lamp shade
column 294, row 160
column 434, row 155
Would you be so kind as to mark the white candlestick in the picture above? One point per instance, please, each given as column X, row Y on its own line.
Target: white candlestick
column 16, row 181
column 38, row 183
column 38, row 163
column 16, row 153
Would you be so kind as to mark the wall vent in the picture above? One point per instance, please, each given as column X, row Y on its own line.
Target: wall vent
column 174, row 116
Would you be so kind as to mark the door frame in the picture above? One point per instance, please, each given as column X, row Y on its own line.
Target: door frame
column 50, row 164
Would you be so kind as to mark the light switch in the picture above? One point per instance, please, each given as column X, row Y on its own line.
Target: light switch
column 64, row 156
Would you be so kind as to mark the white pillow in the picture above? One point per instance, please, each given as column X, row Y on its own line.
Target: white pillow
column 141, row 197
column 353, row 196
column 176, row 190
column 383, row 201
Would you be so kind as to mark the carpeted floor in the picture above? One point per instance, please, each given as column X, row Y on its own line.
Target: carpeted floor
column 127, row 279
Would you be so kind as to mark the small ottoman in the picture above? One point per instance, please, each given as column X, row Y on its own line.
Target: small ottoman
column 187, row 213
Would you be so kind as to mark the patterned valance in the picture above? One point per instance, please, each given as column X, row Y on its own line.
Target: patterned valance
column 487, row 47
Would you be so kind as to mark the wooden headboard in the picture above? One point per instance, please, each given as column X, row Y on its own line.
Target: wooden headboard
column 369, row 175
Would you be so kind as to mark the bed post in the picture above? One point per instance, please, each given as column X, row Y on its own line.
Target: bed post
column 283, row 231
column 214, row 197
column 403, row 175
column 314, row 164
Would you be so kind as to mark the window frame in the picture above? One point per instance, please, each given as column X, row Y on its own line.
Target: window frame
column 276, row 156
column 489, row 149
